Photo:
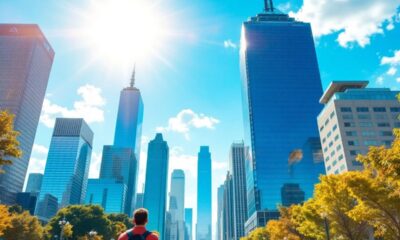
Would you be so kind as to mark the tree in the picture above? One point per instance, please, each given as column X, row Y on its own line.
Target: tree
column 258, row 234
column 9, row 145
column 119, row 224
column 23, row 226
column 83, row 218
column 67, row 231
column 5, row 219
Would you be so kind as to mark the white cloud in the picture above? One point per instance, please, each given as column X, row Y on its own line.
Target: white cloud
column 39, row 149
column 379, row 80
column 219, row 166
column 392, row 71
column 398, row 80
column 95, row 164
column 38, row 158
column 187, row 119
column 355, row 21
column 391, row 61
column 230, row 44
column 89, row 107
column 285, row 7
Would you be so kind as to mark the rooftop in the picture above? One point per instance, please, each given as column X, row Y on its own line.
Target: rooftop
column 341, row 86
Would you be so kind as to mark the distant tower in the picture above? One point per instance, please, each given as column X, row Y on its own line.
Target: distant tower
column 220, row 213
column 204, row 207
column 155, row 191
column 67, row 167
column 121, row 160
column 189, row 223
column 26, row 58
column 34, row 183
column 178, row 195
column 278, row 61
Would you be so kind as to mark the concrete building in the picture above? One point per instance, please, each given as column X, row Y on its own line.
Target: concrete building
column 26, row 59
column 353, row 119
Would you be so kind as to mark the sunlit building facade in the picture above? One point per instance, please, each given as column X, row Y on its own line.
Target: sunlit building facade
column 67, row 167
column 177, row 203
column 281, row 86
column 34, row 183
column 155, row 190
column 355, row 118
column 26, row 58
column 189, row 223
column 204, row 207
column 107, row 193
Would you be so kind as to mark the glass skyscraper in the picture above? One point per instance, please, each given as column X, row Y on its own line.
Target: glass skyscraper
column 281, row 89
column 155, row 190
column 204, row 207
column 189, row 223
column 108, row 193
column 34, row 182
column 26, row 58
column 177, row 194
column 121, row 160
column 67, row 167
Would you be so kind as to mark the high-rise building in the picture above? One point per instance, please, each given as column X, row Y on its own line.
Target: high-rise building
column 27, row 201
column 204, row 207
column 108, row 193
column 26, row 58
column 353, row 119
column 155, row 190
column 228, row 209
column 177, row 204
column 67, row 167
column 291, row 194
column 34, row 182
column 279, row 66
column 189, row 223
column 139, row 200
column 238, row 171
column 121, row 160
column 47, row 207
column 220, row 212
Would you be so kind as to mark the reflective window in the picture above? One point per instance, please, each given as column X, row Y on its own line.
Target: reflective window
column 345, row 109
column 362, row 109
column 379, row 109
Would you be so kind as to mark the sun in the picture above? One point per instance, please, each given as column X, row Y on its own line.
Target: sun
column 121, row 31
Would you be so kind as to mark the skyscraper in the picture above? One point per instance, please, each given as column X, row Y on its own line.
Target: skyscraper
column 177, row 196
column 139, row 200
column 121, row 160
column 34, row 182
column 26, row 58
column 355, row 118
column 204, row 208
column 189, row 223
column 237, row 169
column 281, row 88
column 220, row 212
column 155, row 190
column 228, row 226
column 67, row 167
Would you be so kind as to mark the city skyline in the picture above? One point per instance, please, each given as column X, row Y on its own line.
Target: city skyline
column 184, row 143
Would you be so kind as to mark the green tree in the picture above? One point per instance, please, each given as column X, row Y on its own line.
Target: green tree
column 83, row 218
column 23, row 226
column 5, row 219
column 258, row 234
column 114, row 217
column 9, row 145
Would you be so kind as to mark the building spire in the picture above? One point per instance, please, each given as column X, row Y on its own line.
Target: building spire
column 133, row 76
column 269, row 5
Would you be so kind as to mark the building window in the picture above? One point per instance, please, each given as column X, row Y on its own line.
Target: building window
column 327, row 159
column 338, row 148
column 364, row 116
column 380, row 116
column 326, row 122
column 349, row 124
column 368, row 133
column 329, row 134
column 387, row 143
column 325, row 149
column 341, row 157
column 329, row 168
column 332, row 115
column 333, row 153
column 321, row 129
column 352, row 143
column 342, row 167
column 323, row 140
column 354, row 152
column 336, row 137
column 371, row 143
column 347, row 116
column 351, row 133
column 383, row 124
column 345, row 109
column 337, row 171
column 386, row 134
column 395, row 109
column 362, row 109
column 334, row 127
column 356, row 163
column 330, row 144
column 334, row 163
column 366, row 124
column 379, row 109
column 397, row 124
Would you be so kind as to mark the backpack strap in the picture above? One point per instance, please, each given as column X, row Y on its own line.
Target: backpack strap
column 146, row 234
column 129, row 234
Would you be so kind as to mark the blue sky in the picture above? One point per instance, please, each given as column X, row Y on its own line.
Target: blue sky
column 193, row 93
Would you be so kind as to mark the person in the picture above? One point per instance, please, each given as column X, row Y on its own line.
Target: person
column 139, row 232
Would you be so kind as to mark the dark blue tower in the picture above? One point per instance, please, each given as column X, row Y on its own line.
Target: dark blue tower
column 281, row 89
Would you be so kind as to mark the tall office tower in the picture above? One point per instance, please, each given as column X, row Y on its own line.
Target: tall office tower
column 228, row 212
column 177, row 196
column 204, row 208
column 220, row 211
column 139, row 200
column 155, row 190
column 189, row 223
column 121, row 160
column 26, row 58
column 67, row 167
column 281, row 88
column 27, row 201
column 238, row 171
column 34, row 182
column 108, row 193
column 353, row 119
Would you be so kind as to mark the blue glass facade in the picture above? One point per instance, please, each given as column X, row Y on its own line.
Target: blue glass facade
column 204, row 208
column 155, row 190
column 189, row 223
column 107, row 193
column 34, row 182
column 281, row 89
column 26, row 58
column 67, row 167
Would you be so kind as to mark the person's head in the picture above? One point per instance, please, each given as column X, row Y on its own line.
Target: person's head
column 140, row 217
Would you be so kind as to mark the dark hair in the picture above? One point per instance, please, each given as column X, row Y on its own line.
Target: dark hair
column 140, row 216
